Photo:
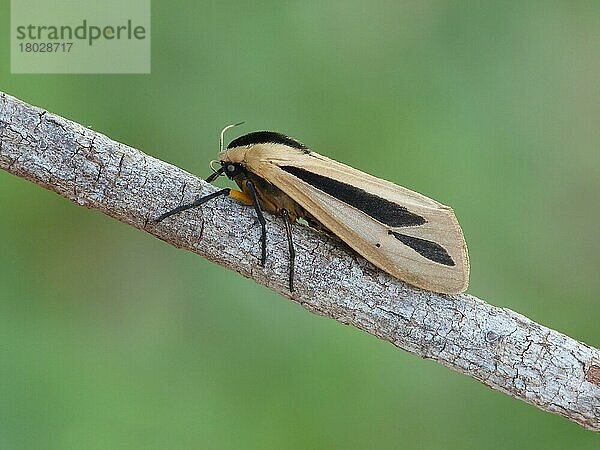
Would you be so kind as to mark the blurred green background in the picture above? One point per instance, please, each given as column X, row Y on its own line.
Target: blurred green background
column 110, row 338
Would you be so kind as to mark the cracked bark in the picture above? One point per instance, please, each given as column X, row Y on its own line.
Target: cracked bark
column 499, row 347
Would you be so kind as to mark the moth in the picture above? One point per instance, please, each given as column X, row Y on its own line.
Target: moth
column 410, row 236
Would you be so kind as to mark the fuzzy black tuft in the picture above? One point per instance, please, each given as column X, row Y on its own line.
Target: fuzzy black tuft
column 264, row 137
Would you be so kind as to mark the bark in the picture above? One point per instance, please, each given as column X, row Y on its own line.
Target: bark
column 499, row 347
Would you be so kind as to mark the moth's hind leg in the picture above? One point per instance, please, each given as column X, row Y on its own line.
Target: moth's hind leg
column 288, row 230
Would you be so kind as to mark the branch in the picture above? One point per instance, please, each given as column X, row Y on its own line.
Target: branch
column 502, row 349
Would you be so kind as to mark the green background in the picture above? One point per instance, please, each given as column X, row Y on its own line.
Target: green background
column 109, row 338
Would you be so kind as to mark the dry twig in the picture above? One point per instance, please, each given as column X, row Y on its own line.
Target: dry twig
column 502, row 349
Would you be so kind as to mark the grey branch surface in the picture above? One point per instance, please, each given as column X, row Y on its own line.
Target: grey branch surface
column 499, row 347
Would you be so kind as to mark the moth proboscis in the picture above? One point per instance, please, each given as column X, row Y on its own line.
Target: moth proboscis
column 410, row 236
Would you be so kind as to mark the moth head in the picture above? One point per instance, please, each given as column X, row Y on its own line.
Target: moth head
column 231, row 167
column 232, row 170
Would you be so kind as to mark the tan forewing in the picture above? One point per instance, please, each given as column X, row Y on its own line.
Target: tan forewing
column 369, row 237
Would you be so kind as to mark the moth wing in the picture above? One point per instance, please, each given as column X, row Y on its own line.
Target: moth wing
column 431, row 255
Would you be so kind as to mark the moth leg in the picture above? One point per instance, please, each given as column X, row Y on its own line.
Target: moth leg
column 213, row 176
column 261, row 219
column 199, row 201
column 288, row 231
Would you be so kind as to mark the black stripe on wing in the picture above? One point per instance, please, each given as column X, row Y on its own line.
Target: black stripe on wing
column 428, row 249
column 378, row 208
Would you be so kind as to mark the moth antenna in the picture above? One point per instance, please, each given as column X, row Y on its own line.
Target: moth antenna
column 223, row 133
column 212, row 167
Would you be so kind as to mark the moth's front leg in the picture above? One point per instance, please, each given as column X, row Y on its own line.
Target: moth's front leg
column 197, row 202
